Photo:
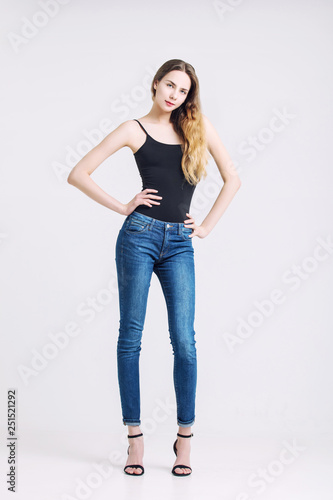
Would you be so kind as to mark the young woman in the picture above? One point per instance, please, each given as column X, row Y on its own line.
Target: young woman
column 171, row 146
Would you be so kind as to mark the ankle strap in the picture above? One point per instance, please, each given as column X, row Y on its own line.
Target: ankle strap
column 136, row 435
column 183, row 436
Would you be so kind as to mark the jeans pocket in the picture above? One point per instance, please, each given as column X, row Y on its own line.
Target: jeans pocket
column 186, row 231
column 136, row 225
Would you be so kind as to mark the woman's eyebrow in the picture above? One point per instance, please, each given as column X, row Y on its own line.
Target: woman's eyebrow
column 175, row 84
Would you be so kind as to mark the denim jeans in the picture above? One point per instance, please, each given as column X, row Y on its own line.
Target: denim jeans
column 146, row 245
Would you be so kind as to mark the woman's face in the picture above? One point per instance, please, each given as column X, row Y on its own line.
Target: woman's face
column 173, row 88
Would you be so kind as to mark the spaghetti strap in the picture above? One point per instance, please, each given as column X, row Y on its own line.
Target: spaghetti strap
column 141, row 126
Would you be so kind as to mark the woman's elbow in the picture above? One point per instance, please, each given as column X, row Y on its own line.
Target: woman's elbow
column 70, row 178
column 73, row 177
column 234, row 181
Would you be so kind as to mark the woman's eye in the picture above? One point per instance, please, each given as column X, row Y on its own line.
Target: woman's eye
column 169, row 84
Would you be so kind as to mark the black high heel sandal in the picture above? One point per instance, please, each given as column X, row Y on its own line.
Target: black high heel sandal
column 180, row 466
column 135, row 466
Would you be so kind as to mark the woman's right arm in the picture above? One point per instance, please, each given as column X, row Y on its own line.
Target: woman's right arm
column 80, row 174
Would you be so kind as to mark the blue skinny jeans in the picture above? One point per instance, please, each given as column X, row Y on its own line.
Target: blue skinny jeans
column 145, row 245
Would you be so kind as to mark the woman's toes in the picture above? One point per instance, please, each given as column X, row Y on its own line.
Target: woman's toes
column 133, row 470
column 181, row 470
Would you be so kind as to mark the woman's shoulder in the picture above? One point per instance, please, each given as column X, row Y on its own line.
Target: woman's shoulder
column 133, row 132
column 130, row 127
column 129, row 124
column 209, row 127
column 207, row 123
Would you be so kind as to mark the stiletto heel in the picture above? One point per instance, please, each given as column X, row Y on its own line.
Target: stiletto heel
column 180, row 466
column 135, row 466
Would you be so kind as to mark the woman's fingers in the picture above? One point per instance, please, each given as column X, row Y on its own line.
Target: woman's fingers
column 188, row 221
column 153, row 202
column 153, row 196
column 148, row 196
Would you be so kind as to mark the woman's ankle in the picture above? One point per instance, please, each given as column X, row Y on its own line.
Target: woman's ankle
column 185, row 431
column 133, row 430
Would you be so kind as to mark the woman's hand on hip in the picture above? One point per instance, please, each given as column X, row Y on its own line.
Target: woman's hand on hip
column 199, row 231
column 145, row 197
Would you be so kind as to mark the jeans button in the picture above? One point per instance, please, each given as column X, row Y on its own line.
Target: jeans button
column 168, row 225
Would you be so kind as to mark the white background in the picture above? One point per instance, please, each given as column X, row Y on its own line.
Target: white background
column 64, row 86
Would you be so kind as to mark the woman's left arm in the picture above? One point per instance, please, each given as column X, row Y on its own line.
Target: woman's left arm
column 230, row 179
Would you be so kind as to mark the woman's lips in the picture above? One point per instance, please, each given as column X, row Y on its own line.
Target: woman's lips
column 169, row 103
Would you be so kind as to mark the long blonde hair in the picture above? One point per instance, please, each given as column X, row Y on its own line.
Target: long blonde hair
column 188, row 123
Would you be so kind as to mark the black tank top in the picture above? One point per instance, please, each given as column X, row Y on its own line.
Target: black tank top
column 160, row 168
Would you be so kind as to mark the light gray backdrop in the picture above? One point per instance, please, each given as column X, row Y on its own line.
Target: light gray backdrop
column 73, row 71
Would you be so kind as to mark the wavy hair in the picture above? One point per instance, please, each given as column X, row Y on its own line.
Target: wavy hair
column 188, row 122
